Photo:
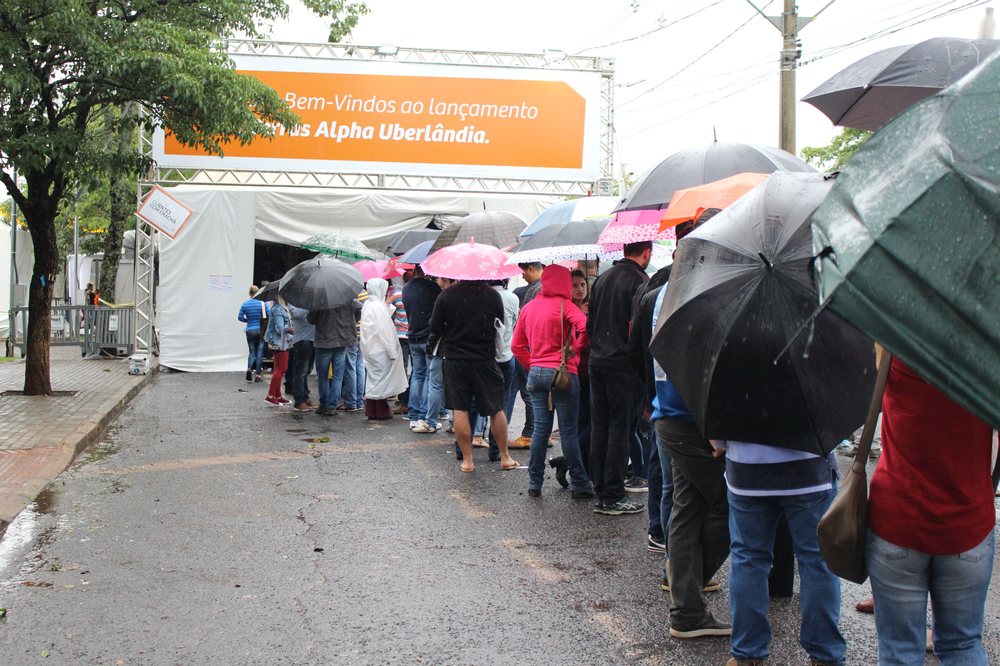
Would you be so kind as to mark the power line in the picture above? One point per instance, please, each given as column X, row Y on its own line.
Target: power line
column 692, row 63
column 615, row 23
column 654, row 30
column 685, row 98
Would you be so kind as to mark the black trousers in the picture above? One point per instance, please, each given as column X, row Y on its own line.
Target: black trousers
column 614, row 399
column 699, row 525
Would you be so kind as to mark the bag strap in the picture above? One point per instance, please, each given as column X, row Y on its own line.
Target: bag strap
column 263, row 310
column 865, row 445
column 562, row 334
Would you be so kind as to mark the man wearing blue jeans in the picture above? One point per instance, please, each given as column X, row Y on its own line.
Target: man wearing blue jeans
column 764, row 481
column 336, row 334
column 354, row 381
column 426, row 384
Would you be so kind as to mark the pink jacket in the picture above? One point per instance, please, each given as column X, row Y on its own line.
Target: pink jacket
column 537, row 336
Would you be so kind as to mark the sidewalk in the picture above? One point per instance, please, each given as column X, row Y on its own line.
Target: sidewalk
column 40, row 436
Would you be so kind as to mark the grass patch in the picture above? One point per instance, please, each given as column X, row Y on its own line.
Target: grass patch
column 6, row 359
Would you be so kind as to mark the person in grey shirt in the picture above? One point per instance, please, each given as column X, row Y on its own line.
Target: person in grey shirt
column 303, row 335
column 336, row 332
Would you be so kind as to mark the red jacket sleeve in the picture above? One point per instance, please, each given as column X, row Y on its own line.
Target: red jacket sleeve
column 580, row 340
column 519, row 343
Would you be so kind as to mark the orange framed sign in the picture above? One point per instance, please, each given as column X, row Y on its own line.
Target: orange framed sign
column 421, row 118
column 164, row 212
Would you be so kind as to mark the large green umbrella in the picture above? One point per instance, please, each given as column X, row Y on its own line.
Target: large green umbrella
column 908, row 240
column 338, row 245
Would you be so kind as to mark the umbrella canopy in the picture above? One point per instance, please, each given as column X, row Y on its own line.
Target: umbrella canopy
column 469, row 261
column 706, row 164
column 736, row 334
column 909, row 240
column 406, row 240
column 269, row 292
column 877, row 88
column 496, row 228
column 379, row 269
column 321, row 283
column 337, row 245
column 574, row 210
column 687, row 205
column 565, row 240
column 417, row 253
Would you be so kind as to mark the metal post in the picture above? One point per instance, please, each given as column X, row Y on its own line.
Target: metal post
column 789, row 60
column 11, row 317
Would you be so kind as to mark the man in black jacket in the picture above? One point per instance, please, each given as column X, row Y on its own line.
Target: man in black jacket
column 615, row 388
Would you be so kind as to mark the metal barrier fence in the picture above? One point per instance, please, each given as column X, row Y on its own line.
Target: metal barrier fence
column 94, row 328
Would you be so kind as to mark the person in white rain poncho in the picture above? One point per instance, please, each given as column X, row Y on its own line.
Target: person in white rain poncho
column 381, row 351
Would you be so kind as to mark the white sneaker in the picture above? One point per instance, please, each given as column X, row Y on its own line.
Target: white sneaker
column 414, row 424
column 423, row 427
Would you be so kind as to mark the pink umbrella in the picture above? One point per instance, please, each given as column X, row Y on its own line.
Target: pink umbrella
column 469, row 261
column 634, row 226
column 378, row 269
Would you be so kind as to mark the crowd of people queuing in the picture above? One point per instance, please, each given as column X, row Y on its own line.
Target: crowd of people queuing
column 474, row 347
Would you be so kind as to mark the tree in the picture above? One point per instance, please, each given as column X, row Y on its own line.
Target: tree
column 343, row 17
column 841, row 149
column 62, row 62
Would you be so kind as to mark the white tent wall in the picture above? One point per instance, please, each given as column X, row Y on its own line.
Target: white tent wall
column 198, row 328
column 199, row 331
column 371, row 216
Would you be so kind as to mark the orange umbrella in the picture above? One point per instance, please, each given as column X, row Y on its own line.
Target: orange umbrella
column 689, row 204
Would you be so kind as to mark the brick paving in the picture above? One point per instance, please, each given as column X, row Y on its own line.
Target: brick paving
column 40, row 436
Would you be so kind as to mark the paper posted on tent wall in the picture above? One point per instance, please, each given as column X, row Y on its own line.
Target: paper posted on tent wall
column 164, row 212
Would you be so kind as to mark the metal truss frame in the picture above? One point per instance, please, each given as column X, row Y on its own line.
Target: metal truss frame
column 549, row 60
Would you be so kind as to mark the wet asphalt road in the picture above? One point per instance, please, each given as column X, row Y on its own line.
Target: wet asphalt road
column 209, row 529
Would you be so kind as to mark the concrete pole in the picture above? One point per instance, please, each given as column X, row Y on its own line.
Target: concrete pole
column 789, row 58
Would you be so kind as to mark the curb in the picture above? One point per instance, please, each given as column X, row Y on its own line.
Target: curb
column 69, row 448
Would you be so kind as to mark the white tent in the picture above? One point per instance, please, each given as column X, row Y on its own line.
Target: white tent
column 206, row 272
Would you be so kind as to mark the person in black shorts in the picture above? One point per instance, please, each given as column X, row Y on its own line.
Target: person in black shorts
column 463, row 330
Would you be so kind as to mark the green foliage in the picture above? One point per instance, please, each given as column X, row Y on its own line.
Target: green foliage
column 343, row 17
column 841, row 149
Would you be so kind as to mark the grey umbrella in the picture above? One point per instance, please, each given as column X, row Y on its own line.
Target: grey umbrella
column 268, row 292
column 406, row 240
column 321, row 283
column 877, row 88
column 703, row 165
column 497, row 228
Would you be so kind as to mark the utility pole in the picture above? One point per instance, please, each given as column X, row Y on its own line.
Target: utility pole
column 789, row 24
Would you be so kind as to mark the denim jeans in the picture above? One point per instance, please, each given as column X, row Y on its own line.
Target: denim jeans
column 958, row 584
column 329, row 388
column 518, row 387
column 567, row 406
column 404, row 346
column 666, row 494
column 641, row 446
column 304, row 357
column 354, row 379
column 654, row 475
column 256, row 344
column 508, row 370
column 418, row 382
column 752, row 525
column 435, row 390
column 614, row 401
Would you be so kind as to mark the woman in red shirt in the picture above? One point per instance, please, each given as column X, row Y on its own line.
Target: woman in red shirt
column 542, row 327
column 930, row 524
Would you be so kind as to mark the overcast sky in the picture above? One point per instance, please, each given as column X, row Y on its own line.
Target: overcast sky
column 697, row 73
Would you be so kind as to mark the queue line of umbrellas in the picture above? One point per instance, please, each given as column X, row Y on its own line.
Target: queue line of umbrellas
column 767, row 322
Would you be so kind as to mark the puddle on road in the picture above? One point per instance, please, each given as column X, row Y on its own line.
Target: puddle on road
column 26, row 531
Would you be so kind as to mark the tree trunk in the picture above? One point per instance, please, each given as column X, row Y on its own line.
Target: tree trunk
column 41, row 223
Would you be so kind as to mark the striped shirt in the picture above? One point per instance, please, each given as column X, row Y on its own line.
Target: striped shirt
column 399, row 318
column 758, row 470
column 362, row 297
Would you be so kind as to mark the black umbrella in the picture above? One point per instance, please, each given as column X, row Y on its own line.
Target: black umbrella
column 703, row 165
column 877, row 88
column 406, row 240
column 497, row 228
column 321, row 283
column 737, row 336
column 268, row 292
column 564, row 240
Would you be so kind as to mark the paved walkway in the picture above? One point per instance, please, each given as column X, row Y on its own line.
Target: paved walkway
column 40, row 436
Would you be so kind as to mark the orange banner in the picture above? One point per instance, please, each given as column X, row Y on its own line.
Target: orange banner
column 424, row 120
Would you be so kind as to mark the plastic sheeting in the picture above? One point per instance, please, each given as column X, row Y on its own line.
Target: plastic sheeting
column 205, row 275
column 199, row 331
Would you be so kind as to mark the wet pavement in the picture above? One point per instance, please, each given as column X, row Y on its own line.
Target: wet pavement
column 207, row 528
